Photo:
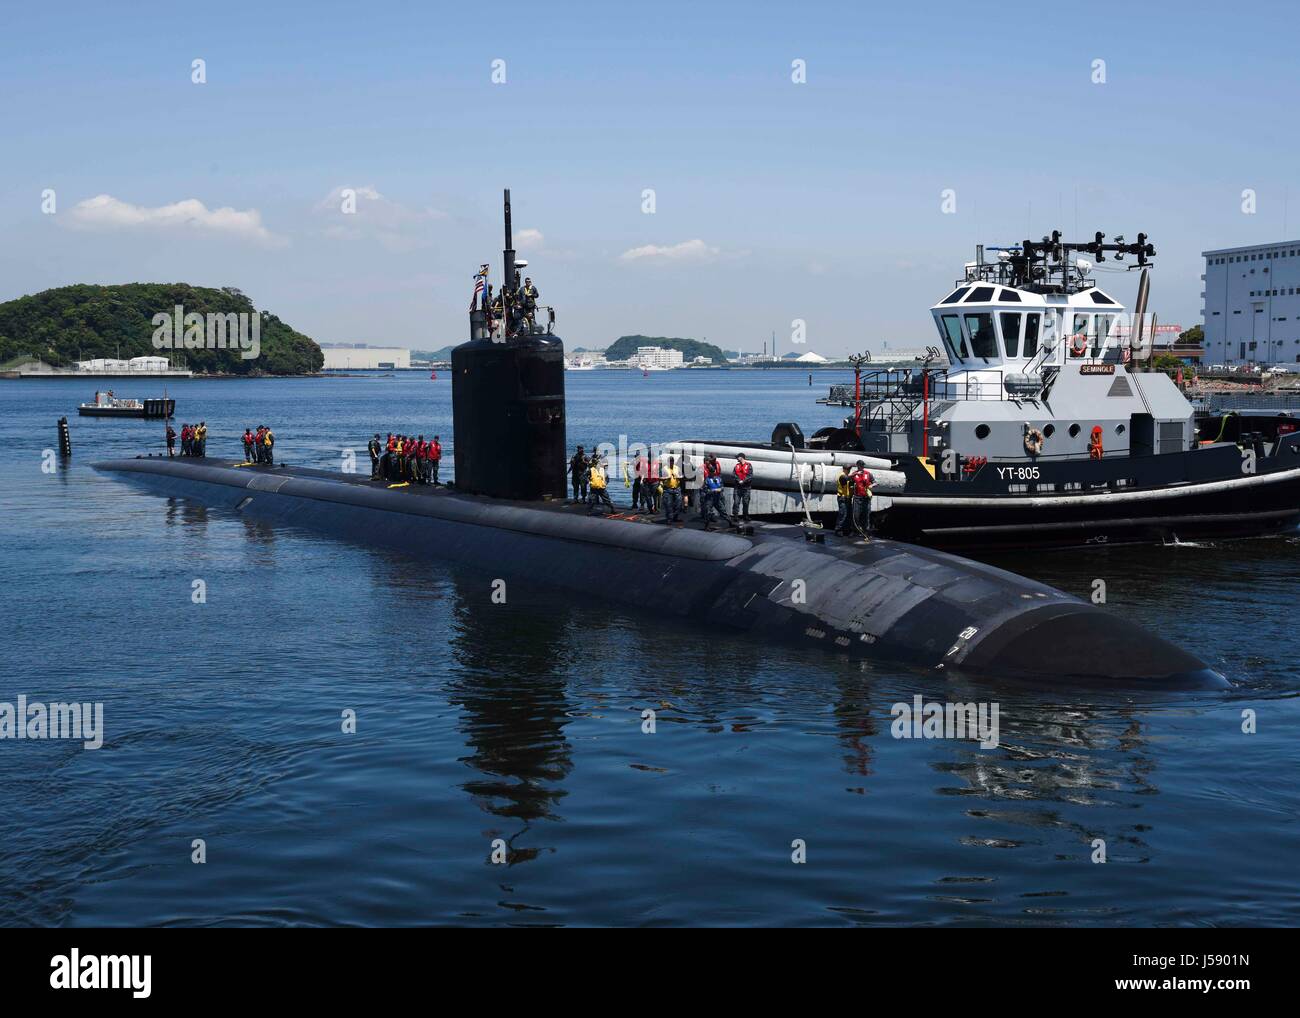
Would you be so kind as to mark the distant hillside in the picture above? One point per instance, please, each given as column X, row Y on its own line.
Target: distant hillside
column 69, row 323
column 625, row 346
column 442, row 354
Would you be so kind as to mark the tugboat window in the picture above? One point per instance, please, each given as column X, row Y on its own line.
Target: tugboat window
column 1010, row 296
column 982, row 432
column 1074, row 431
column 983, row 342
column 1049, row 431
column 1031, row 334
column 952, row 326
column 980, row 293
column 1103, row 327
column 1011, row 333
column 955, row 296
column 1100, row 298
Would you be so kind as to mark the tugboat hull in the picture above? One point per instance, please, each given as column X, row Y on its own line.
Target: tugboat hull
column 1214, row 492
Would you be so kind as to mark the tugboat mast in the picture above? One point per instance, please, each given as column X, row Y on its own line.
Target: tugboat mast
column 1045, row 266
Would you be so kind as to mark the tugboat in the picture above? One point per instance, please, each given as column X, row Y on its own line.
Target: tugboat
column 1043, row 431
column 108, row 405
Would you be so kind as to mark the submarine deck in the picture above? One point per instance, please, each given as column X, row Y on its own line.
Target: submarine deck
column 566, row 507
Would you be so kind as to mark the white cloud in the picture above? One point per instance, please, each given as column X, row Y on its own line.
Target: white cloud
column 686, row 251
column 104, row 212
column 363, row 213
column 529, row 239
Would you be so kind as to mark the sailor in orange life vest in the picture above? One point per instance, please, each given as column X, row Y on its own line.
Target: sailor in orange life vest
column 1094, row 443
column 743, row 473
column 862, row 482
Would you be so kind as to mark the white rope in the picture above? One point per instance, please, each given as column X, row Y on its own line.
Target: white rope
column 809, row 523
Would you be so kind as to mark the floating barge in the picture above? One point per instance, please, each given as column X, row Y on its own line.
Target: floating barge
column 108, row 405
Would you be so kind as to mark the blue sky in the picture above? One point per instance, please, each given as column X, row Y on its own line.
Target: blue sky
column 775, row 201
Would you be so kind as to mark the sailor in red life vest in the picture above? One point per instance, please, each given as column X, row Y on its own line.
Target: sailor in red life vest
column 408, row 458
column 417, row 459
column 743, row 474
column 638, row 472
column 248, row 445
column 862, row 482
column 435, row 457
column 650, row 484
column 1095, row 450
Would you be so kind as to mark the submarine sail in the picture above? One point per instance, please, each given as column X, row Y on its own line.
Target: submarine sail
column 507, row 396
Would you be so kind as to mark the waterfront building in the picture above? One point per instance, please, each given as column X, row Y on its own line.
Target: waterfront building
column 1252, row 304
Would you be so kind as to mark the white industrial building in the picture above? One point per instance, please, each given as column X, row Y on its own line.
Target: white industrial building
column 657, row 357
column 364, row 358
column 1252, row 304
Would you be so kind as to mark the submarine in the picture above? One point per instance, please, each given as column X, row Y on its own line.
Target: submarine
column 507, row 517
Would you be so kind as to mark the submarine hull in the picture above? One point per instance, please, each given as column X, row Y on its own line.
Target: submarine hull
column 879, row 601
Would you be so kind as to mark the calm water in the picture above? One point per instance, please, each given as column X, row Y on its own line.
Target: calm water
column 522, row 722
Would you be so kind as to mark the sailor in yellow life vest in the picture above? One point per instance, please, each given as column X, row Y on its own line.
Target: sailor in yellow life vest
column 268, row 444
column 671, row 480
column 599, row 494
column 844, row 496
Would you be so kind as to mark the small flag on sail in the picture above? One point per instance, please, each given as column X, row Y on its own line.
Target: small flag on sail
column 480, row 285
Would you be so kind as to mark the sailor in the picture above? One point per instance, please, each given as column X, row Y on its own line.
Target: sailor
column 435, row 458
column 672, row 496
column 373, row 447
column 248, row 445
column 743, row 475
column 844, row 495
column 638, row 473
column 711, row 501
column 185, row 439
column 862, row 482
column 599, row 494
column 201, row 439
column 421, row 460
column 388, row 462
column 1094, row 443
column 650, row 487
column 711, row 468
column 528, row 302
column 171, row 441
column 578, row 470
column 268, row 446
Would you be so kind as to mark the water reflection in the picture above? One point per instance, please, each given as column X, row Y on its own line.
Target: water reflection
column 185, row 513
column 511, row 689
column 1052, row 763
